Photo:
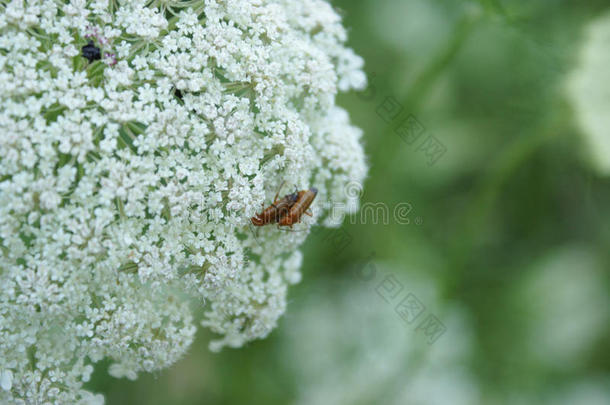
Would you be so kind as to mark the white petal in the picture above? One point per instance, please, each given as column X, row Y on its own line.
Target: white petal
column 6, row 380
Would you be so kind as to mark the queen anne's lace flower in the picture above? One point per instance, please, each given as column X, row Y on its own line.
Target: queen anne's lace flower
column 589, row 90
column 352, row 347
column 127, row 183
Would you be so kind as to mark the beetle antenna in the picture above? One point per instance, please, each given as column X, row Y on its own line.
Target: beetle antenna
column 278, row 190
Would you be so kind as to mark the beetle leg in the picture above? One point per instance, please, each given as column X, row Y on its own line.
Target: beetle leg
column 293, row 230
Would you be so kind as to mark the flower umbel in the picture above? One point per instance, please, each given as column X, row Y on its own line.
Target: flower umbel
column 589, row 91
column 127, row 182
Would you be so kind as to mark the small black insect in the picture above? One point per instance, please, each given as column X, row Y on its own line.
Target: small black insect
column 91, row 52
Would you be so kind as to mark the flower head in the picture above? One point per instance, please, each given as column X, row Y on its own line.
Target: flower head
column 589, row 90
column 127, row 182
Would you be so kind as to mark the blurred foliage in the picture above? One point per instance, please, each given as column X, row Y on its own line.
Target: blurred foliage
column 515, row 225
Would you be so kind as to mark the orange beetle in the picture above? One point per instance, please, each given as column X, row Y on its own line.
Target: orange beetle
column 276, row 210
column 299, row 207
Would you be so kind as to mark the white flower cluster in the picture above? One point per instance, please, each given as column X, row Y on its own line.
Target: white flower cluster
column 588, row 88
column 128, row 178
column 561, row 329
column 347, row 345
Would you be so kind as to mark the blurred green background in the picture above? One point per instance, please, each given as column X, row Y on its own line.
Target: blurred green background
column 507, row 243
